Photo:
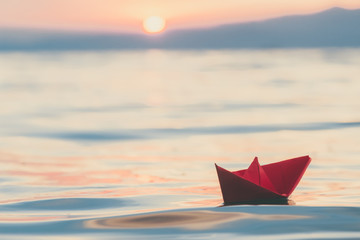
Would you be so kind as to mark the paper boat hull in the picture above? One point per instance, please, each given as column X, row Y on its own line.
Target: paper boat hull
column 285, row 175
column 236, row 190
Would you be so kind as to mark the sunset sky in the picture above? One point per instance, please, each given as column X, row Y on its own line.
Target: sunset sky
column 127, row 15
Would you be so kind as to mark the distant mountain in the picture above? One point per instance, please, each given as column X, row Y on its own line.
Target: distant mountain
column 335, row 27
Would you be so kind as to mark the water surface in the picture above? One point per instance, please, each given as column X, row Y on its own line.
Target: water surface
column 109, row 144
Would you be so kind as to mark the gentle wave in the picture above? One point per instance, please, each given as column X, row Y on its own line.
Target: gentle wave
column 143, row 134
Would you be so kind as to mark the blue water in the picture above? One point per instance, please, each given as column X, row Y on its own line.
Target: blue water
column 109, row 145
column 207, row 223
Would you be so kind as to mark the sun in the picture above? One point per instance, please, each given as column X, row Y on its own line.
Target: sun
column 154, row 24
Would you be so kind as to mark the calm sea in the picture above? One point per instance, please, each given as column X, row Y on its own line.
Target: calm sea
column 122, row 145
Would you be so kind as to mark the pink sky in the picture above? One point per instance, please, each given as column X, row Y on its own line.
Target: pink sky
column 127, row 15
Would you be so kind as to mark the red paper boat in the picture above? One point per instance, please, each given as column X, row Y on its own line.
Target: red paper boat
column 271, row 183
